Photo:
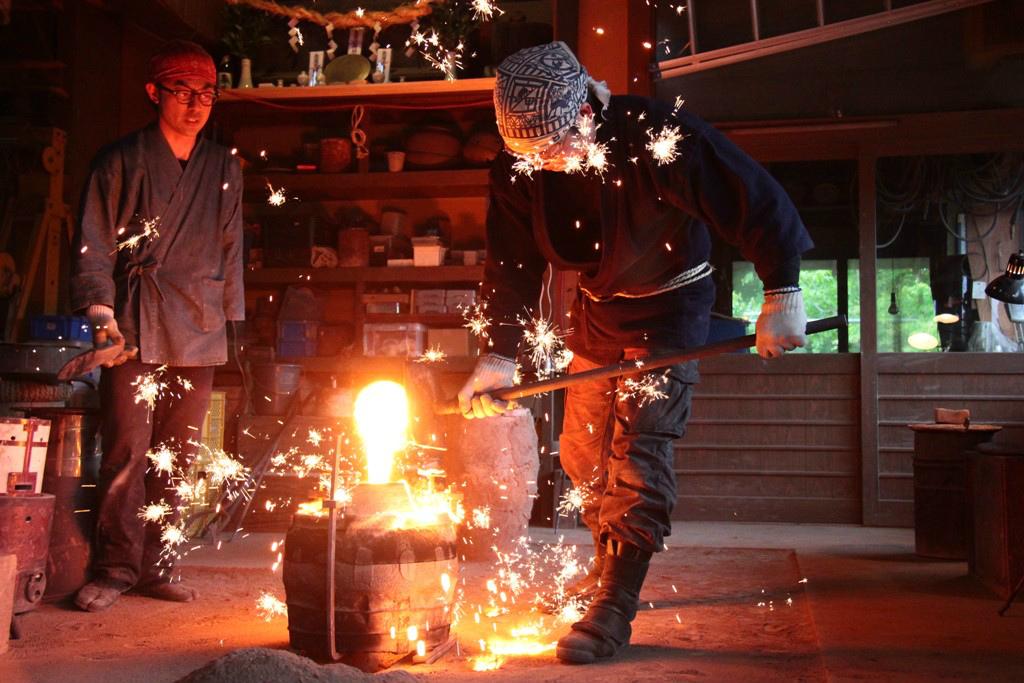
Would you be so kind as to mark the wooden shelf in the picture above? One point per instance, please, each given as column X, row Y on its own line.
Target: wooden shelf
column 409, row 95
column 376, row 364
column 352, row 186
column 431, row 319
column 275, row 277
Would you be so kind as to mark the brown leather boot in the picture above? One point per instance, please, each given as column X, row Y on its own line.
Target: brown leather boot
column 605, row 628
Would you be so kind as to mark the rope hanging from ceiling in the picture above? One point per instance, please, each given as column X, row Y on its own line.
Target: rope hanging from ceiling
column 405, row 13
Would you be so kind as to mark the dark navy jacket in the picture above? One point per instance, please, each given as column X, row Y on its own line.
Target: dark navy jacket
column 638, row 228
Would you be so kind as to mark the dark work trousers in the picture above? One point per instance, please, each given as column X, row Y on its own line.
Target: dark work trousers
column 127, row 548
column 618, row 449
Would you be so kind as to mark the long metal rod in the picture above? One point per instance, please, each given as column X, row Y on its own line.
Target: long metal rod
column 680, row 66
column 629, row 367
column 692, row 23
column 1013, row 596
column 332, row 532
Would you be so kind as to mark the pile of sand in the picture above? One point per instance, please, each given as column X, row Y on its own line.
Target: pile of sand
column 263, row 665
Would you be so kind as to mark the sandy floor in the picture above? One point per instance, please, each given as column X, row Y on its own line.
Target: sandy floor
column 726, row 604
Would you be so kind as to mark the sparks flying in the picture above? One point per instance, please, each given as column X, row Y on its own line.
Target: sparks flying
column 663, row 144
column 149, row 387
column 277, row 197
column 476, row 320
column 269, row 606
column 148, row 231
column 645, row 390
column 547, row 351
column 485, row 9
column 573, row 500
column 432, row 355
column 162, row 459
column 156, row 512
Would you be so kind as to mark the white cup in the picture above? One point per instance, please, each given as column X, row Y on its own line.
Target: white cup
column 396, row 161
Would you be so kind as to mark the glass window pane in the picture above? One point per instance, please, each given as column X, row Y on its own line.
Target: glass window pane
column 819, row 281
column 947, row 225
column 853, row 305
column 904, row 305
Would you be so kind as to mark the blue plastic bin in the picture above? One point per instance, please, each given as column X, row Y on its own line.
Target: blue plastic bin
column 59, row 328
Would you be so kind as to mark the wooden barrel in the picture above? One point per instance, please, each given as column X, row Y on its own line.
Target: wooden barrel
column 386, row 581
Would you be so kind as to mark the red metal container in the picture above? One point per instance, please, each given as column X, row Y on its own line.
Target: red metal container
column 25, row 521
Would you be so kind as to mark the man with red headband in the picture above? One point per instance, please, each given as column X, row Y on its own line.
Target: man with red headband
column 625, row 191
column 157, row 269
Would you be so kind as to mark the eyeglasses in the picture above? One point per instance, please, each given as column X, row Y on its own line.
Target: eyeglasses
column 185, row 95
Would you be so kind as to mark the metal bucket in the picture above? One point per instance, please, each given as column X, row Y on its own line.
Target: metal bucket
column 389, row 590
column 275, row 387
column 72, row 469
column 25, row 521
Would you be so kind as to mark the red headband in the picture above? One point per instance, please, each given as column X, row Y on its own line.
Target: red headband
column 180, row 60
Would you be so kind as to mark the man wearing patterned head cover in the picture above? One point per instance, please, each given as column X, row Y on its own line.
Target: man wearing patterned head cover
column 538, row 95
column 583, row 187
column 157, row 269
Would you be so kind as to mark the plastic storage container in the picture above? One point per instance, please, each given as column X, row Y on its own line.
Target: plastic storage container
column 458, row 300
column 59, row 328
column 429, row 301
column 394, row 339
column 275, row 385
column 297, row 338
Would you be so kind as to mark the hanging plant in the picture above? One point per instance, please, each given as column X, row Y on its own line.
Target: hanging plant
column 245, row 30
column 443, row 43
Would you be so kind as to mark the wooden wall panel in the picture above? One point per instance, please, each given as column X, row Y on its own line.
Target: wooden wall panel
column 773, row 441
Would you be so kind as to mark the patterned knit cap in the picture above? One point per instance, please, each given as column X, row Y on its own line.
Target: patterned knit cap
column 179, row 60
column 538, row 94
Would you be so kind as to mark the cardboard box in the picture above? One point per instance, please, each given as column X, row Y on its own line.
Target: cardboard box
column 455, row 342
column 428, row 254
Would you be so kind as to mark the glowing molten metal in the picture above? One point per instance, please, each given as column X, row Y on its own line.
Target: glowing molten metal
column 382, row 418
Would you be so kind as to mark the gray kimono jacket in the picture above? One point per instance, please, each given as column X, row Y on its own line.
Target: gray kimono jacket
column 173, row 291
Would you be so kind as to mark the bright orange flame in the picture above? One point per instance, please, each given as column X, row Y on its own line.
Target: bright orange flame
column 314, row 508
column 502, row 646
column 487, row 662
column 382, row 418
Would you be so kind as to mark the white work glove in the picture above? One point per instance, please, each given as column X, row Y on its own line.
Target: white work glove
column 491, row 372
column 782, row 325
column 105, row 330
column 104, row 326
